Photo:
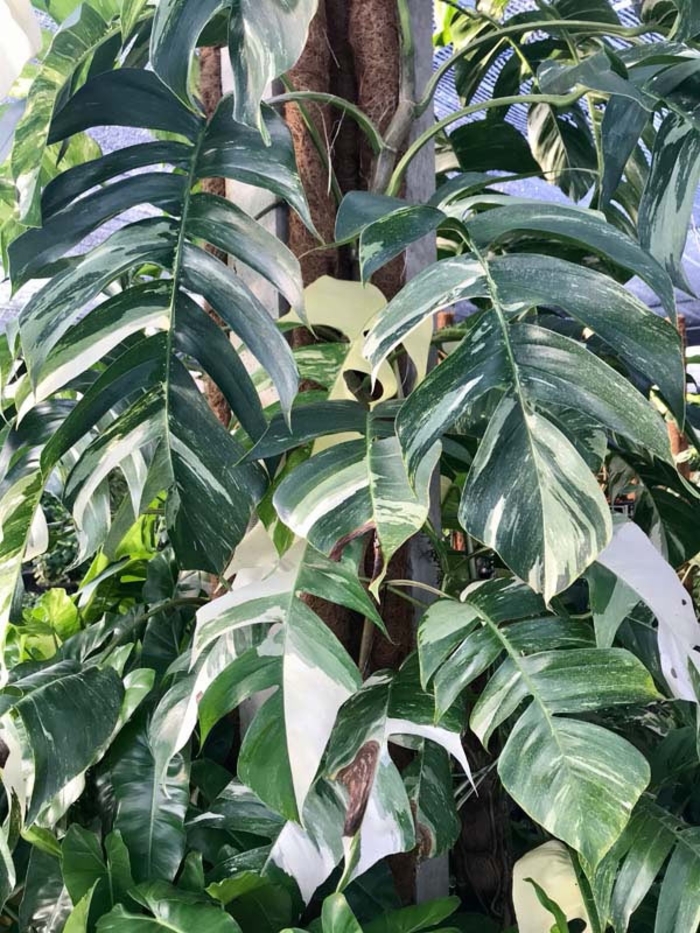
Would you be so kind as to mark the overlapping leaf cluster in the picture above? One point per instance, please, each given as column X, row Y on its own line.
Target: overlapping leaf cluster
column 130, row 799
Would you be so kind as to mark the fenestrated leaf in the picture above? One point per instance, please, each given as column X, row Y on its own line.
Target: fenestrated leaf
column 594, row 776
column 150, row 812
column 246, row 157
column 385, row 226
column 229, row 228
column 313, row 664
column 76, row 181
column 32, row 254
column 61, row 341
column 563, row 147
column 354, row 487
column 308, row 422
column 525, row 464
column 582, row 227
column 378, row 819
column 176, row 28
column 49, row 712
column 266, row 38
column 125, row 97
column 639, row 337
column 206, row 519
column 667, row 202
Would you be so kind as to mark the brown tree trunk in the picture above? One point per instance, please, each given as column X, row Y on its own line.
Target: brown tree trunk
column 211, row 92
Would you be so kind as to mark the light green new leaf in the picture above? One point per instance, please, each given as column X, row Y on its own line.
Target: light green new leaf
column 77, row 922
column 575, row 778
column 337, row 917
column 266, row 38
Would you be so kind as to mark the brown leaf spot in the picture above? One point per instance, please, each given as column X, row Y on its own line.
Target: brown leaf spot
column 358, row 778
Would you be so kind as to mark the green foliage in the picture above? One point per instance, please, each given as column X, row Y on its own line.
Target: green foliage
column 181, row 570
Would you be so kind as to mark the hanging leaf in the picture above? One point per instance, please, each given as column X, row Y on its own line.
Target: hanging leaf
column 563, row 146
column 638, row 565
column 266, row 38
column 378, row 818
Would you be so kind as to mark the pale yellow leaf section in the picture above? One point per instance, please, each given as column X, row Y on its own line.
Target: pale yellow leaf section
column 350, row 307
column 551, row 868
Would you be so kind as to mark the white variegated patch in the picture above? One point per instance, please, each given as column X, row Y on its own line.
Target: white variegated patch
column 633, row 558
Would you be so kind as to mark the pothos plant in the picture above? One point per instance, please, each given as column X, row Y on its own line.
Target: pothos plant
column 128, row 801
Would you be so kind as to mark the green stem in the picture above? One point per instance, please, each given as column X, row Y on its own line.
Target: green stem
column 563, row 100
column 375, row 138
column 322, row 148
column 518, row 28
